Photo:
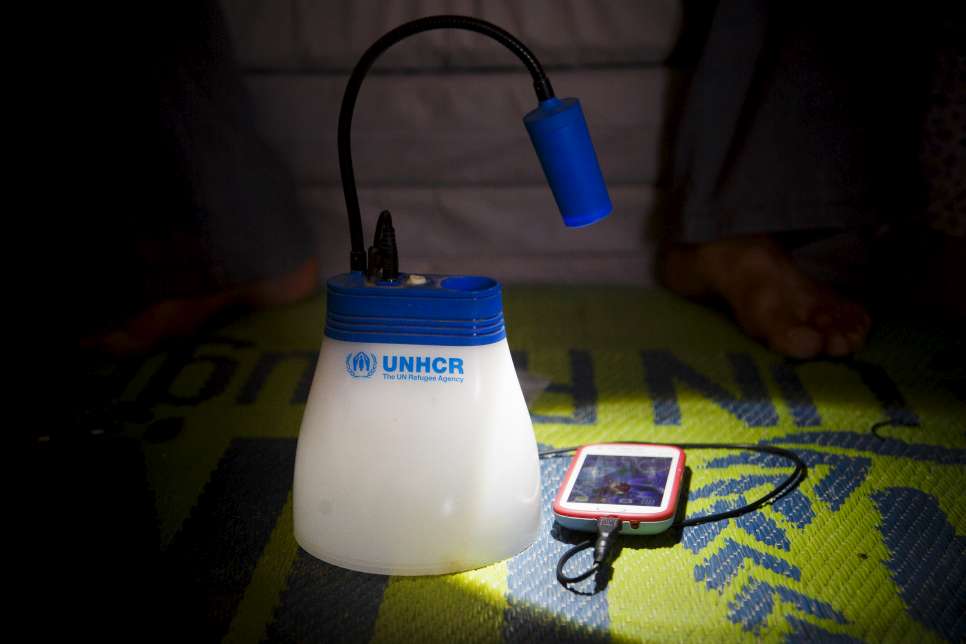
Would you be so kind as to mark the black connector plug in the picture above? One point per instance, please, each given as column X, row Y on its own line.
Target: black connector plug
column 383, row 261
column 607, row 530
column 386, row 241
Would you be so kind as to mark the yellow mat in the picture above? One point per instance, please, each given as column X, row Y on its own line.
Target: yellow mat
column 869, row 548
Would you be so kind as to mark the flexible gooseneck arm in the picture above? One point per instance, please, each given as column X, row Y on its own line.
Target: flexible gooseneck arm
column 541, row 84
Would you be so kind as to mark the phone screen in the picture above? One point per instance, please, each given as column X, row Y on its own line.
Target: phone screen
column 621, row 480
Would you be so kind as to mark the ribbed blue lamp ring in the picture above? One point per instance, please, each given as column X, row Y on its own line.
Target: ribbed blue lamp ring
column 336, row 319
column 451, row 310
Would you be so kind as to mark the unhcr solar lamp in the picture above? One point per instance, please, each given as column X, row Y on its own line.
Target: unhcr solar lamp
column 416, row 453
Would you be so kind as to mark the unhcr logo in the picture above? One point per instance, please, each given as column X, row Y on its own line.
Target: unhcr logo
column 361, row 364
column 405, row 368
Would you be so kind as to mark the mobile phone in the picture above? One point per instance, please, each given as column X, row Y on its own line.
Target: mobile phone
column 639, row 484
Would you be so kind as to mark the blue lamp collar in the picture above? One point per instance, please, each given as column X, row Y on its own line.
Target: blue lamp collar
column 452, row 310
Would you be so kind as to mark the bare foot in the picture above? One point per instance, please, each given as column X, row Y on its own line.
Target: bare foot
column 771, row 299
column 179, row 318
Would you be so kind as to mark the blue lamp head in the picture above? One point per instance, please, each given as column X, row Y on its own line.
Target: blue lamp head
column 557, row 128
column 560, row 136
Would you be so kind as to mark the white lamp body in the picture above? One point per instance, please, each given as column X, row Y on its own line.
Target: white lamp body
column 415, row 459
column 416, row 453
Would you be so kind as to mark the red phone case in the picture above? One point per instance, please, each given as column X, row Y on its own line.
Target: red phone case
column 648, row 518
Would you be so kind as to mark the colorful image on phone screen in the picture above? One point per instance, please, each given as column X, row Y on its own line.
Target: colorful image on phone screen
column 621, row 480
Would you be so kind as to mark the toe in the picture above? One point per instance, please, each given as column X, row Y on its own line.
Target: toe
column 798, row 341
column 836, row 345
column 853, row 316
column 773, row 301
column 842, row 323
column 855, row 339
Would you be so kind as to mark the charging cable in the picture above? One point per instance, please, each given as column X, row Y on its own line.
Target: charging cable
column 607, row 530
column 609, row 527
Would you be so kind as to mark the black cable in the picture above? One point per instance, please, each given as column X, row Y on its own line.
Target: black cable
column 793, row 479
column 541, row 84
column 607, row 530
column 889, row 422
column 565, row 557
column 603, row 547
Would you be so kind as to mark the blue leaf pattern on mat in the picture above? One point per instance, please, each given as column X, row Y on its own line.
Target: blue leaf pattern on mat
column 846, row 473
column 928, row 559
column 721, row 567
column 752, row 606
column 756, row 600
column 795, row 507
column 723, row 487
column 803, row 631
